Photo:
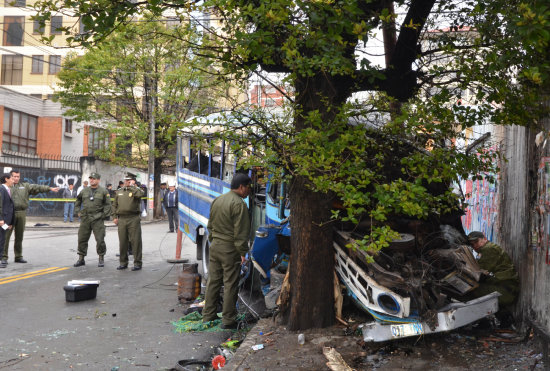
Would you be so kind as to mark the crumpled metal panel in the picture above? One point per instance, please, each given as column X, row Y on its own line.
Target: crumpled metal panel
column 453, row 316
column 367, row 291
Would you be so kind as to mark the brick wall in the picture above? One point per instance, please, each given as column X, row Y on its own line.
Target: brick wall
column 50, row 130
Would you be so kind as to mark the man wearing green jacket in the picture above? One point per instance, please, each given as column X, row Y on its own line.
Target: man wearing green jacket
column 96, row 206
column 20, row 193
column 228, row 233
column 501, row 274
column 126, row 215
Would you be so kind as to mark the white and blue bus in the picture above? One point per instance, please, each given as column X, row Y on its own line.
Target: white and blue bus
column 205, row 174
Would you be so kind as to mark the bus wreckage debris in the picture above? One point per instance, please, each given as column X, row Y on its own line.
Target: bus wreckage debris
column 410, row 291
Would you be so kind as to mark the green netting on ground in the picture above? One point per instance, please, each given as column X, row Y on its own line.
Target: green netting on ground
column 193, row 323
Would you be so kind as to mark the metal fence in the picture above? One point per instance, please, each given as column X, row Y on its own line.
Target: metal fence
column 40, row 161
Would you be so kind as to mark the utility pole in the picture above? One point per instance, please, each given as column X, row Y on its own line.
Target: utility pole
column 151, row 86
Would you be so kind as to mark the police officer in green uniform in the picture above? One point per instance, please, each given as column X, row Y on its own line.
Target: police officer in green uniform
column 228, row 232
column 96, row 206
column 501, row 274
column 126, row 215
column 20, row 193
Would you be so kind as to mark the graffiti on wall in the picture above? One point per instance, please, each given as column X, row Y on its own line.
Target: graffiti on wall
column 483, row 208
column 48, row 204
column 540, row 234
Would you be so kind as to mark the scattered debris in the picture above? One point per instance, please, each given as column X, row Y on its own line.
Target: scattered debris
column 218, row 362
column 231, row 344
column 258, row 347
column 335, row 360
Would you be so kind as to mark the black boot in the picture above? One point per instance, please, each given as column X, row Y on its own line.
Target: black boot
column 80, row 262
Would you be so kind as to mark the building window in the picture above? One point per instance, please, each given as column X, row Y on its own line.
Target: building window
column 37, row 64
column 37, row 28
column 54, row 64
column 97, row 140
column 56, row 24
column 270, row 102
column 19, row 132
column 13, row 31
column 68, row 126
column 20, row 3
column 12, row 69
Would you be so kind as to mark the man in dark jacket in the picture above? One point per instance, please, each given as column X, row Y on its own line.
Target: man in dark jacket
column 20, row 193
column 170, row 202
column 7, row 211
column 126, row 210
column 69, row 194
column 228, row 233
column 96, row 206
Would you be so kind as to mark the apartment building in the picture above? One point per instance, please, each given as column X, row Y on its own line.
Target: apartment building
column 29, row 66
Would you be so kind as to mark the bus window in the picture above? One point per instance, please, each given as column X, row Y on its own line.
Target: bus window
column 273, row 193
column 205, row 158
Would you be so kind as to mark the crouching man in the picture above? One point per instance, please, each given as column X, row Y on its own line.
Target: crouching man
column 502, row 276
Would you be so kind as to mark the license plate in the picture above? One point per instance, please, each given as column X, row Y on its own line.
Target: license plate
column 407, row 329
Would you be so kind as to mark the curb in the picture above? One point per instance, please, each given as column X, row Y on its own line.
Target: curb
column 253, row 337
column 31, row 224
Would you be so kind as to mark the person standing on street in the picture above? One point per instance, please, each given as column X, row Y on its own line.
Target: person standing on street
column 84, row 185
column 228, row 233
column 171, row 205
column 68, row 209
column 110, row 190
column 7, row 212
column 96, row 206
column 126, row 215
column 162, row 193
column 20, row 193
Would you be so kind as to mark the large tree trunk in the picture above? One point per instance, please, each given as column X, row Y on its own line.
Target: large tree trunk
column 312, row 264
column 312, row 254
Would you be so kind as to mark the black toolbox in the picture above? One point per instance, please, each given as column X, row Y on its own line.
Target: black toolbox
column 80, row 292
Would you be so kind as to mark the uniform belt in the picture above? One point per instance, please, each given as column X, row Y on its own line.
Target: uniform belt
column 20, row 211
column 128, row 215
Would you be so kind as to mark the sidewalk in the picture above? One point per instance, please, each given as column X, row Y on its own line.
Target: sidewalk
column 468, row 348
column 41, row 222
column 282, row 351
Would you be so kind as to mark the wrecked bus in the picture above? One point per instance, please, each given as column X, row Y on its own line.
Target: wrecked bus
column 205, row 172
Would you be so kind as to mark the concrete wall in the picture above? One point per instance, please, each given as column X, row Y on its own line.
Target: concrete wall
column 514, row 217
column 72, row 144
column 112, row 174
column 526, row 201
column 515, row 213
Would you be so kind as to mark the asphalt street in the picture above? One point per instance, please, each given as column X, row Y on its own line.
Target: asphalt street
column 129, row 324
